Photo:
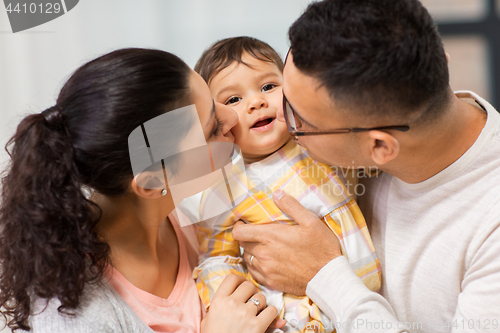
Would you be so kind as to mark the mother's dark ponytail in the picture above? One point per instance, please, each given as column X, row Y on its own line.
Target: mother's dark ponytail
column 49, row 246
column 47, row 222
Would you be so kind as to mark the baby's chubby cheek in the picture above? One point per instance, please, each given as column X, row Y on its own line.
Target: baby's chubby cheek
column 282, row 130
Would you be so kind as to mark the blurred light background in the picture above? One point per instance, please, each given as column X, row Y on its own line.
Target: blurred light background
column 470, row 35
column 34, row 64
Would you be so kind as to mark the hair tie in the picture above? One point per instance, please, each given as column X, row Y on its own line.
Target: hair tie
column 52, row 114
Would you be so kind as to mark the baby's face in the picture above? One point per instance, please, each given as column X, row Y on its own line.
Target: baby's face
column 255, row 94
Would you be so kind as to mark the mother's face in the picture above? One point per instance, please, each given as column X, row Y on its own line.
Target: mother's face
column 190, row 142
column 202, row 154
column 216, row 119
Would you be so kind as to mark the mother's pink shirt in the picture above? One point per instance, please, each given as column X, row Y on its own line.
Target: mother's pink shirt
column 182, row 311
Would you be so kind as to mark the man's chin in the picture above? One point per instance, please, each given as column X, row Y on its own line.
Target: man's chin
column 316, row 158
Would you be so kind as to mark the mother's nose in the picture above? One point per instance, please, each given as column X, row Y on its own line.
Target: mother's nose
column 227, row 116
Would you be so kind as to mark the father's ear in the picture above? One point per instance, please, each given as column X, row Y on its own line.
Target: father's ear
column 384, row 147
column 147, row 185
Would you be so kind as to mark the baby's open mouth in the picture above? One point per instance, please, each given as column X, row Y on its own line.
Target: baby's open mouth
column 262, row 122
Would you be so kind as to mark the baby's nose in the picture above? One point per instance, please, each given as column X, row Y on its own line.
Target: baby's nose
column 257, row 103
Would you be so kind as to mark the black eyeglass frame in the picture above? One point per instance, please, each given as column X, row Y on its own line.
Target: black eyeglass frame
column 295, row 133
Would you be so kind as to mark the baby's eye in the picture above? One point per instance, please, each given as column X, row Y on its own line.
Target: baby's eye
column 269, row 86
column 233, row 100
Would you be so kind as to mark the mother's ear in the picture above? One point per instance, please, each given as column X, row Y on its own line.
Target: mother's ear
column 148, row 185
column 384, row 147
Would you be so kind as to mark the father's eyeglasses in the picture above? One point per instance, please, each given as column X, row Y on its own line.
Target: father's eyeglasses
column 294, row 124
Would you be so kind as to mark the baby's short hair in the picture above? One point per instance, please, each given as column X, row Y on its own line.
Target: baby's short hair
column 226, row 51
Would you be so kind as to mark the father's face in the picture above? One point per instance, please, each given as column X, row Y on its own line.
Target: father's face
column 317, row 110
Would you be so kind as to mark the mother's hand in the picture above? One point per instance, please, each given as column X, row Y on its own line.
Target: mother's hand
column 230, row 310
column 287, row 257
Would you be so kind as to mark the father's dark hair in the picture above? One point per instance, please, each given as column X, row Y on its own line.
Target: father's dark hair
column 384, row 56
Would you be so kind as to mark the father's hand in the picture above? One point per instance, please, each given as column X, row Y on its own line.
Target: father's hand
column 287, row 257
